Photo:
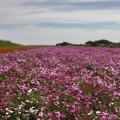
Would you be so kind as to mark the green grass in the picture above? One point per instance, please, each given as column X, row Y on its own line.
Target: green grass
column 4, row 43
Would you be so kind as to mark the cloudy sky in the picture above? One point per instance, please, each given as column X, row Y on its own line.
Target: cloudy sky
column 47, row 22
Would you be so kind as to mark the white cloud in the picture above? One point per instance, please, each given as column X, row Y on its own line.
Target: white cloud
column 35, row 35
column 13, row 12
column 89, row 0
column 29, row 16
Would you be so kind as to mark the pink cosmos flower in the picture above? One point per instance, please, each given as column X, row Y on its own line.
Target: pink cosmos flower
column 103, row 118
column 112, row 117
column 38, row 119
column 49, row 114
column 62, row 115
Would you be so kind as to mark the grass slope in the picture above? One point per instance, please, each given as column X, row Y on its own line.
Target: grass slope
column 4, row 43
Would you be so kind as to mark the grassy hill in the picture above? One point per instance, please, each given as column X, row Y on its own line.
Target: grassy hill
column 6, row 43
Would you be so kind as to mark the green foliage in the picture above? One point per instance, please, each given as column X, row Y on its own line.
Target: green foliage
column 99, row 42
column 89, row 42
column 63, row 44
column 6, row 43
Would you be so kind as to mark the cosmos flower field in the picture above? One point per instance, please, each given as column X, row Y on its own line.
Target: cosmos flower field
column 12, row 49
column 60, row 83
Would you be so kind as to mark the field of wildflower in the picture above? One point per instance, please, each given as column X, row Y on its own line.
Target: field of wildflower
column 12, row 49
column 60, row 83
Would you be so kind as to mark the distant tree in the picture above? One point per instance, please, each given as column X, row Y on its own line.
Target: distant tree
column 103, row 41
column 119, row 44
column 8, row 41
column 89, row 42
column 97, row 42
column 63, row 44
